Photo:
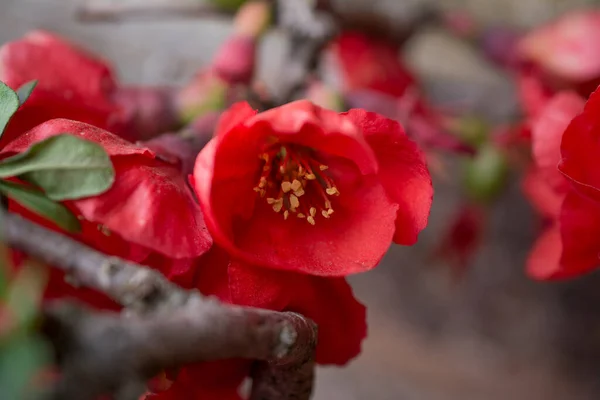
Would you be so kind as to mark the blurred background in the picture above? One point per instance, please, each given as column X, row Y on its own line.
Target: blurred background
column 493, row 333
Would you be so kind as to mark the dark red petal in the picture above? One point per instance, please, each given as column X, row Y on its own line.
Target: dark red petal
column 216, row 380
column 212, row 277
column 327, row 301
column 402, row 172
column 580, row 233
column 580, row 148
column 114, row 145
column 151, row 205
column 353, row 240
column 547, row 132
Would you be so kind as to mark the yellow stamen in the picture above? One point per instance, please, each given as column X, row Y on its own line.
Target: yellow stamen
column 278, row 206
column 311, row 220
column 296, row 185
column 313, row 211
column 286, row 186
column 310, row 177
column 323, row 167
column 286, row 214
column 300, row 215
column 332, row 191
column 299, row 192
column 294, row 202
column 325, row 214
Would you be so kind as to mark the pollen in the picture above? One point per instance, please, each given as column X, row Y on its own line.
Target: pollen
column 293, row 182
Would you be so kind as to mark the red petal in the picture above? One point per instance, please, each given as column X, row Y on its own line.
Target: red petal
column 367, row 63
column 114, row 145
column 543, row 261
column 547, row 132
column 217, row 380
column 353, row 240
column 212, row 278
column 151, row 205
column 402, row 171
column 580, row 147
column 305, row 123
column 580, row 233
column 546, row 199
column 71, row 83
column 327, row 301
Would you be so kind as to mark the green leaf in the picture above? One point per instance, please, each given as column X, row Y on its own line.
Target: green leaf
column 66, row 167
column 24, row 91
column 9, row 104
column 486, row 174
column 36, row 201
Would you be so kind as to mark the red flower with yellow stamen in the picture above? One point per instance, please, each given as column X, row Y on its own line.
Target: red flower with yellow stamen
column 305, row 189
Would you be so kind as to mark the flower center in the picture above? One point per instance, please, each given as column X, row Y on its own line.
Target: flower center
column 294, row 182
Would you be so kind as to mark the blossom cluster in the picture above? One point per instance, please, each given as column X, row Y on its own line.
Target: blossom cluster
column 275, row 211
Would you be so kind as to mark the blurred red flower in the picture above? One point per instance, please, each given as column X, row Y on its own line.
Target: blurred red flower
column 71, row 83
column 569, row 246
column 558, row 56
column 375, row 78
column 305, row 189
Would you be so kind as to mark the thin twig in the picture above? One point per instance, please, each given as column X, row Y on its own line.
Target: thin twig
column 108, row 352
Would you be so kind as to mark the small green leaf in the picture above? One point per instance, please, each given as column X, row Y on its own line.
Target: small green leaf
column 9, row 104
column 36, row 201
column 485, row 174
column 25, row 91
column 66, row 167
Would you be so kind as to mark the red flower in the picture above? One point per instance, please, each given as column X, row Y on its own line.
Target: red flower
column 71, row 83
column 149, row 204
column 570, row 246
column 560, row 55
column 371, row 64
column 305, row 189
column 376, row 79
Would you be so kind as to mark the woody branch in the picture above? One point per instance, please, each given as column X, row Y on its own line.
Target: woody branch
column 115, row 353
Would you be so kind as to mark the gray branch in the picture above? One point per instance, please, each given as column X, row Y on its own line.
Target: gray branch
column 169, row 327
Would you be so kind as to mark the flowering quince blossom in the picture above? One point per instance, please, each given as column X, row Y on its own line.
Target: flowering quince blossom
column 305, row 189
column 569, row 246
column 557, row 56
column 375, row 78
column 71, row 83
column 148, row 215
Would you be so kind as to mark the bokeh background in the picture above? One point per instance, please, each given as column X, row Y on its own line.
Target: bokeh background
column 494, row 334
